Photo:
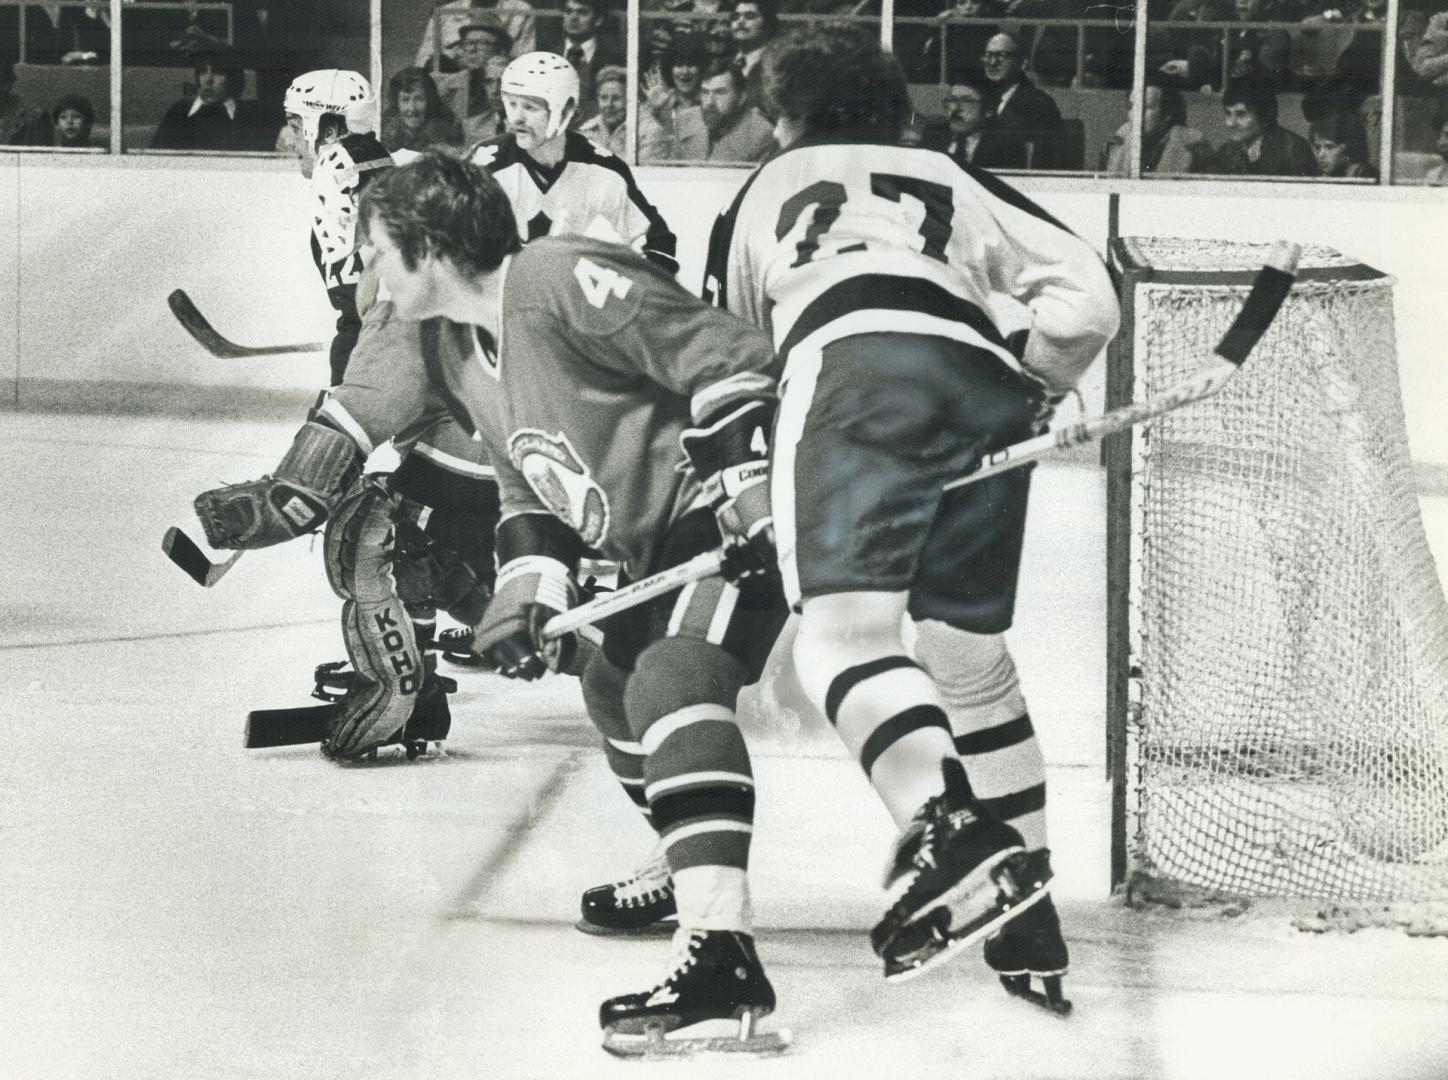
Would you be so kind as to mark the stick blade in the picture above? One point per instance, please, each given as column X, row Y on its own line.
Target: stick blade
column 202, row 331
column 266, row 728
column 182, row 551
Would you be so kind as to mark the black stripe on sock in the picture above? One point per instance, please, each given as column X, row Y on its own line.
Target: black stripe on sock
column 1011, row 733
column 1017, row 804
column 896, row 728
column 676, row 806
column 848, row 679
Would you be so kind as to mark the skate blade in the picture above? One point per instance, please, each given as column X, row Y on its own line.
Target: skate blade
column 662, row 928
column 964, row 892
column 940, row 946
column 722, row 1036
column 1050, row 998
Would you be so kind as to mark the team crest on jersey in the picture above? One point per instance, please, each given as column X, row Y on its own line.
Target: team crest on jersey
column 560, row 479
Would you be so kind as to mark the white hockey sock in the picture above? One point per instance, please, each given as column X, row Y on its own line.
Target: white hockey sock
column 713, row 898
column 992, row 730
column 883, row 705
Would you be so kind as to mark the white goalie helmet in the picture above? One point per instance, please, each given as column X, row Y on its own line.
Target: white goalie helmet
column 548, row 76
column 331, row 90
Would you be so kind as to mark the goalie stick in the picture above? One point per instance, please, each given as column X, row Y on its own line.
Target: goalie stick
column 205, row 334
column 184, row 552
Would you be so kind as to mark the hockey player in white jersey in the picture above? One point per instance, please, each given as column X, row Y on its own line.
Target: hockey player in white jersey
column 625, row 415
column 558, row 181
column 332, row 117
column 881, row 271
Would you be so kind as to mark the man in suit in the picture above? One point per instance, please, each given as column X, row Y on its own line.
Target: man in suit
column 217, row 118
column 589, row 45
column 967, row 135
column 1256, row 145
column 470, row 93
column 1024, row 118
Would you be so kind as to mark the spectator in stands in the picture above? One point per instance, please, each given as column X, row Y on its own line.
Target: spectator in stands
column 1412, row 25
column 1193, row 58
column 607, row 127
column 959, row 45
column 1430, row 58
column 1340, row 144
column 1438, row 174
column 1168, row 145
column 1024, row 117
column 671, row 123
column 1260, row 54
column 20, row 125
column 589, row 44
column 737, row 130
column 1048, row 50
column 1359, row 56
column 753, row 24
column 216, row 117
column 73, row 117
column 83, row 34
column 967, row 136
column 1256, row 145
column 414, row 116
column 516, row 16
column 465, row 92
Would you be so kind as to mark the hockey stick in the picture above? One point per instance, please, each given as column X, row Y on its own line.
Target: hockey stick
column 182, row 551
column 633, row 594
column 196, row 325
column 1269, row 289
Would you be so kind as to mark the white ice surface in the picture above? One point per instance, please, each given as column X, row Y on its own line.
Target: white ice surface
column 175, row 907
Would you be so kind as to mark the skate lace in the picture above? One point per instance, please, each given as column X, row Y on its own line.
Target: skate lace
column 686, row 955
column 649, row 882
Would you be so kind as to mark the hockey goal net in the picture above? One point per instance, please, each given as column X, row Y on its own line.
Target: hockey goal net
column 1278, row 638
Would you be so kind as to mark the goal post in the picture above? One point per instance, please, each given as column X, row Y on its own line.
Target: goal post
column 1277, row 639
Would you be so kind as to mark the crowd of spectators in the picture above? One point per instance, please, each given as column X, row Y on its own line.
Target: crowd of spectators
column 699, row 84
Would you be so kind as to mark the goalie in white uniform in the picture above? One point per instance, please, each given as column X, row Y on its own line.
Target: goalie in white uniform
column 881, row 272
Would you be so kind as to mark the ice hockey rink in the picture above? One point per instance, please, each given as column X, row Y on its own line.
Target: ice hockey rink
column 176, row 907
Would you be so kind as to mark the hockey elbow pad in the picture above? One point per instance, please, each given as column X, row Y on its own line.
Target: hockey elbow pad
column 322, row 464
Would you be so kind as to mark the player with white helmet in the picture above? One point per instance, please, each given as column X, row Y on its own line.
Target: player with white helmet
column 558, row 181
column 332, row 115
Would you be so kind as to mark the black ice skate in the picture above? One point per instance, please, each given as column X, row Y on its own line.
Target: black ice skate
column 456, row 646
column 1032, row 946
column 709, row 1002
column 964, row 874
column 642, row 905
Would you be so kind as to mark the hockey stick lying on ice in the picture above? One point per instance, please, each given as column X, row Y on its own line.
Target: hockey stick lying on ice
column 182, row 551
column 1269, row 288
column 197, row 326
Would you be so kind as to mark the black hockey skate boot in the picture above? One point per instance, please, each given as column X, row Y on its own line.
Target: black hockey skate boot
column 456, row 646
column 640, row 905
column 710, row 1000
column 1032, row 946
column 960, row 872
column 431, row 718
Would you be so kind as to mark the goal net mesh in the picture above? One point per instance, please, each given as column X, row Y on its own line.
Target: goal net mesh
column 1287, row 725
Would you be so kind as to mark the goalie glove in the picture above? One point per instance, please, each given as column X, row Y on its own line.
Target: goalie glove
column 530, row 590
column 322, row 464
column 730, row 456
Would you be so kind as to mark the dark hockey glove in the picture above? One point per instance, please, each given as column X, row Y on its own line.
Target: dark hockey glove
column 530, row 591
column 730, row 456
column 318, row 470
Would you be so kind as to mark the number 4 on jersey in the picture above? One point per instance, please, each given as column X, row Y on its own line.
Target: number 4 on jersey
column 599, row 282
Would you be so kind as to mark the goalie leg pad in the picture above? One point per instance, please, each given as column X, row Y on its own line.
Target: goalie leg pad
column 380, row 638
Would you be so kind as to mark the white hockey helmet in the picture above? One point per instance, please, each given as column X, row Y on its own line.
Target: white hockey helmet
column 548, row 76
column 335, row 91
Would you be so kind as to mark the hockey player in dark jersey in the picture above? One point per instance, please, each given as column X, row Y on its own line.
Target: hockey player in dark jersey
column 624, row 415
column 558, row 181
column 881, row 272
column 331, row 114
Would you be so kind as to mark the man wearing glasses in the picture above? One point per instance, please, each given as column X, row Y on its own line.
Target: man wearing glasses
column 1026, row 121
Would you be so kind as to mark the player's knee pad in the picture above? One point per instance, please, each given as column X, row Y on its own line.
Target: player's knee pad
column 698, row 781
column 358, row 544
column 974, row 674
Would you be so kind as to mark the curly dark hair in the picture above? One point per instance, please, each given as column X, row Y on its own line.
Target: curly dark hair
column 441, row 205
column 836, row 78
